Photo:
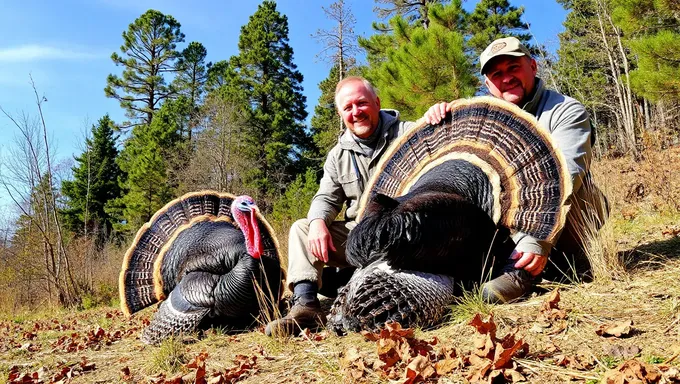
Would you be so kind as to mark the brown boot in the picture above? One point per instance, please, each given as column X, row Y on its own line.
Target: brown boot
column 301, row 316
column 508, row 287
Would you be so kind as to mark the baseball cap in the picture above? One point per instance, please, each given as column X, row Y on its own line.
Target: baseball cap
column 509, row 46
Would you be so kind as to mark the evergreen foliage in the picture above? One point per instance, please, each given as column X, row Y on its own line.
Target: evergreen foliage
column 413, row 11
column 94, row 184
column 190, row 78
column 192, row 72
column 653, row 27
column 493, row 19
column 148, row 52
column 423, row 66
column 294, row 203
column 582, row 68
column 145, row 163
column 326, row 123
column 267, row 84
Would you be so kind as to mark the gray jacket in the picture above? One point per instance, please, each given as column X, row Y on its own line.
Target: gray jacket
column 341, row 182
column 569, row 125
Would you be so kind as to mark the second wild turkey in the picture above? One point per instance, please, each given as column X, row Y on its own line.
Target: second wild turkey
column 206, row 256
column 440, row 196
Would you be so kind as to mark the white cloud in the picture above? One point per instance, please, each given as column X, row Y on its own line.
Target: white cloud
column 37, row 52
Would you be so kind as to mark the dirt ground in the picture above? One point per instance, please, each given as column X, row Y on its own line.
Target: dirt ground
column 617, row 329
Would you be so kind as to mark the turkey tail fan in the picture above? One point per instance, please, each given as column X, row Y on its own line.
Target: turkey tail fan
column 378, row 293
column 141, row 281
column 527, row 173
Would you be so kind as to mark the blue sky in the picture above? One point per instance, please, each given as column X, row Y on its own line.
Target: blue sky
column 66, row 47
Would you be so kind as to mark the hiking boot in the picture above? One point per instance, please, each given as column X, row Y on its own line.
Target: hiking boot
column 511, row 285
column 301, row 316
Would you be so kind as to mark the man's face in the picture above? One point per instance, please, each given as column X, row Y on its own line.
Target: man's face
column 359, row 108
column 511, row 78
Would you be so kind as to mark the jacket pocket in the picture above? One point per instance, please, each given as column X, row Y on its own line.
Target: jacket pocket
column 350, row 185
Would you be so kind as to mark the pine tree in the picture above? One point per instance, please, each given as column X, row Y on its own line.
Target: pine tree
column 95, row 182
column 265, row 80
column 493, row 19
column 427, row 66
column 326, row 123
column 148, row 53
column 653, row 27
column 144, row 160
column 190, row 78
column 413, row 11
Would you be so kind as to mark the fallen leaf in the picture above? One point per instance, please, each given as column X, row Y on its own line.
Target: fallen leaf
column 125, row 373
column 484, row 326
column 617, row 329
column 506, row 350
column 632, row 371
column 422, row 367
column 446, row 366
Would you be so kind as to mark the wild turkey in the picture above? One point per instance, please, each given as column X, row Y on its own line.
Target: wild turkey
column 207, row 255
column 434, row 206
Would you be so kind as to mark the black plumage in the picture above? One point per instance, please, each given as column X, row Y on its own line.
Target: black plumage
column 442, row 225
column 206, row 255
column 440, row 208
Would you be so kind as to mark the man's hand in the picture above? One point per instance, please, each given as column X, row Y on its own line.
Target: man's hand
column 436, row 113
column 530, row 262
column 319, row 240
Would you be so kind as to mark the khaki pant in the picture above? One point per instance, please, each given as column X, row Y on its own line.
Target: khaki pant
column 302, row 265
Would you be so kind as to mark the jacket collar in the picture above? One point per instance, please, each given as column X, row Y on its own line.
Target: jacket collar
column 388, row 117
column 532, row 105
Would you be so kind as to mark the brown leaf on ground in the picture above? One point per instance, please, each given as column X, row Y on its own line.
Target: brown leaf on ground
column 670, row 373
column 633, row 371
column 420, row 367
column 446, row 366
column 125, row 373
column 306, row 334
column 353, row 364
column 478, row 372
column 483, row 345
column 617, row 329
column 199, row 365
column 245, row 367
column 484, row 326
column 491, row 356
column 506, row 350
column 671, row 231
column 550, row 317
column 513, row 376
column 86, row 366
column 572, row 362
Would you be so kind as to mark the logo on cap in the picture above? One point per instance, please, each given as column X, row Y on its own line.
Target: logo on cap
column 498, row 46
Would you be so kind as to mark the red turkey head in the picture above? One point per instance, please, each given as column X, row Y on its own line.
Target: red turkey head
column 244, row 210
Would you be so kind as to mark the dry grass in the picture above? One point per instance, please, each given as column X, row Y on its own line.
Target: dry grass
column 636, row 254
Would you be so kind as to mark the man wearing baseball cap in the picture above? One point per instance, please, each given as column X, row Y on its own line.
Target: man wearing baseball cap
column 510, row 74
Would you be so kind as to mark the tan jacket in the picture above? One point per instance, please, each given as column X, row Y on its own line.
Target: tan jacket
column 341, row 182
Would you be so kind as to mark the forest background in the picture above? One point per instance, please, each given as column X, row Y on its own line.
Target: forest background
column 240, row 124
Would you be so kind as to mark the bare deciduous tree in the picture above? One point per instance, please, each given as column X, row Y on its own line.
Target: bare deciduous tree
column 30, row 184
column 340, row 43
column 217, row 161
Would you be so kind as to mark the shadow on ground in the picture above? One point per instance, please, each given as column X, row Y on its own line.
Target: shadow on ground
column 651, row 255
